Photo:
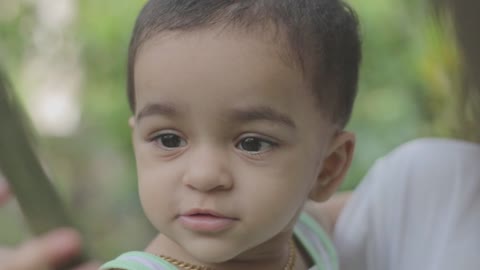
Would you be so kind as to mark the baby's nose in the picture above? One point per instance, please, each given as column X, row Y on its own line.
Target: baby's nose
column 208, row 170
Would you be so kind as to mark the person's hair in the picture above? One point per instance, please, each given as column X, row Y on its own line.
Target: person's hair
column 465, row 18
column 320, row 36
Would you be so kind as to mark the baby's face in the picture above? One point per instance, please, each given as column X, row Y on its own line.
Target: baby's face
column 228, row 141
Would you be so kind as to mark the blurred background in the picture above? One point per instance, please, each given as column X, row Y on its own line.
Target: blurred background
column 67, row 60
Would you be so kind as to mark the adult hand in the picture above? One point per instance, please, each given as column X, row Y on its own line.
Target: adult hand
column 44, row 252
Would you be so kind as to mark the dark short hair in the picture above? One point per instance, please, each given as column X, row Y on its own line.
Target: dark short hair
column 321, row 35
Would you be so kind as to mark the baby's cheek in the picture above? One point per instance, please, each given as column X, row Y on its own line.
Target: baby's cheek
column 300, row 173
column 152, row 204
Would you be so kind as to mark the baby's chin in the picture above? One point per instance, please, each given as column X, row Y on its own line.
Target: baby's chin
column 214, row 251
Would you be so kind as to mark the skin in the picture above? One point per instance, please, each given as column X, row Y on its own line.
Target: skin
column 44, row 252
column 224, row 123
column 327, row 213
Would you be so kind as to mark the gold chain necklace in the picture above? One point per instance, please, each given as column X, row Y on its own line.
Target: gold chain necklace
column 188, row 266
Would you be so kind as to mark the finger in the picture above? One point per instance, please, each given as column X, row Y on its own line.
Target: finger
column 5, row 253
column 45, row 252
column 4, row 191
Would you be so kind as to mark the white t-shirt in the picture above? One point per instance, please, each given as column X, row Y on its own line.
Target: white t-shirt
column 417, row 208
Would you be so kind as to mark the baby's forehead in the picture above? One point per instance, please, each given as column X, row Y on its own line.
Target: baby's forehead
column 225, row 70
column 270, row 37
column 237, row 59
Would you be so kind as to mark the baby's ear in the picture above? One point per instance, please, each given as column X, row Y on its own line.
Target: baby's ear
column 131, row 121
column 334, row 167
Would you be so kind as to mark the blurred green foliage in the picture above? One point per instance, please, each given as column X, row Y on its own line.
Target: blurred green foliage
column 410, row 69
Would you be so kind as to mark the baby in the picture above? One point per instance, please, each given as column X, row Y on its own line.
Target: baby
column 239, row 115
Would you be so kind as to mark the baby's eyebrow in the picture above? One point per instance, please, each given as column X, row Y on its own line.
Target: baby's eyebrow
column 262, row 113
column 243, row 115
column 164, row 109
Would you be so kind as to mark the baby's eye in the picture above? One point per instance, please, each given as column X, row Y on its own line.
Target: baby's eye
column 255, row 145
column 169, row 141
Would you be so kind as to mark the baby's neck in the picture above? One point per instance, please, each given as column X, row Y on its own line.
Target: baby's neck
column 255, row 259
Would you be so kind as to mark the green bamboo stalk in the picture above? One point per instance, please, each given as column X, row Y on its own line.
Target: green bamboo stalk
column 38, row 200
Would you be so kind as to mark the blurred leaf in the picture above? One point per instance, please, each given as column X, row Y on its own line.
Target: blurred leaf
column 35, row 194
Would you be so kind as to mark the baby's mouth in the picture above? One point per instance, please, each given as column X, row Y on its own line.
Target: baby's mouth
column 205, row 220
